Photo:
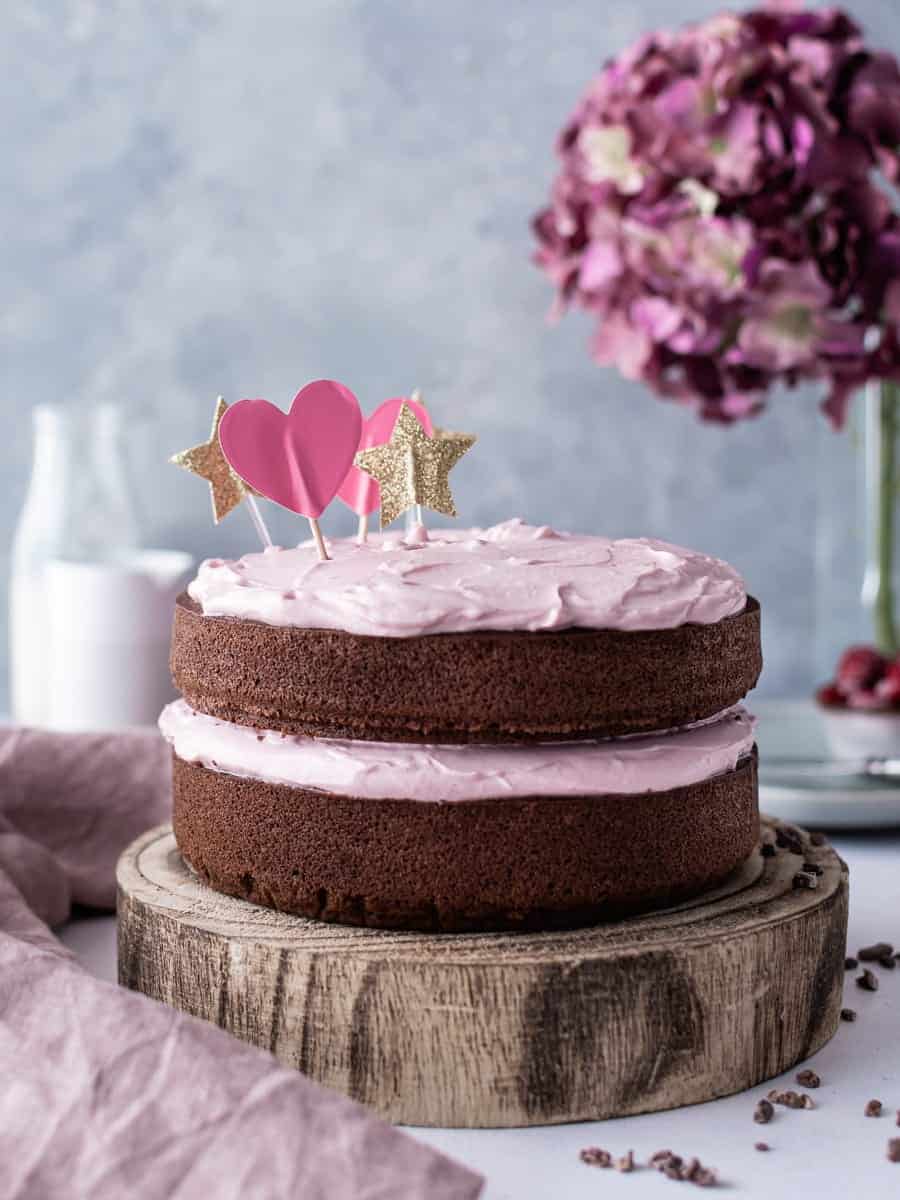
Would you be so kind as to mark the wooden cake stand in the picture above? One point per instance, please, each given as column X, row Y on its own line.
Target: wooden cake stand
column 665, row 1009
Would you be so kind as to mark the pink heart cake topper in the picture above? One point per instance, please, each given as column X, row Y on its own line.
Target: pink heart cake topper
column 298, row 459
column 359, row 491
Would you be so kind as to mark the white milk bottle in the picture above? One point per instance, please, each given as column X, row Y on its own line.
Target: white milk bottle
column 87, row 608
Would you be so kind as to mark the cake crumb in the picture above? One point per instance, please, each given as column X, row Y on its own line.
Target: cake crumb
column 850, row 963
column 808, row 1079
column 873, row 1108
column 848, row 1014
column 893, row 1150
column 626, row 1162
column 761, row 1146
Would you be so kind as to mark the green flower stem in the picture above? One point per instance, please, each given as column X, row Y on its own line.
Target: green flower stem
column 886, row 507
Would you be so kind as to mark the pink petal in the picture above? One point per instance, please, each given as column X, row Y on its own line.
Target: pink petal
column 600, row 266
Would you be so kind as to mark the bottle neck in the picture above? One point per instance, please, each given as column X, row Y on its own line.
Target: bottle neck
column 78, row 503
column 52, row 445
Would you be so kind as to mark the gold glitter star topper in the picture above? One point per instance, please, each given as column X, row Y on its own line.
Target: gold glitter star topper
column 413, row 468
column 226, row 488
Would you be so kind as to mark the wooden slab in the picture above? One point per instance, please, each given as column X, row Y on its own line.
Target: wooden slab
column 662, row 1010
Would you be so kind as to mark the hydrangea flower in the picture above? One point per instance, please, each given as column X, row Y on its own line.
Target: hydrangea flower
column 724, row 207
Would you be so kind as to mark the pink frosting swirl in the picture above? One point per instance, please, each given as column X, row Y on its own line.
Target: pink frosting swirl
column 509, row 577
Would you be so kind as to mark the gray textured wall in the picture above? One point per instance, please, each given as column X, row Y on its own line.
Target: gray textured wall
column 204, row 196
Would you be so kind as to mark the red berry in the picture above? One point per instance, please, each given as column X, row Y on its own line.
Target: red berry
column 888, row 688
column 859, row 669
column 865, row 698
column 829, row 696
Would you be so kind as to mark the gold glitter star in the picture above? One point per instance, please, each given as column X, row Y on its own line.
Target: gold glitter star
column 413, row 468
column 207, row 460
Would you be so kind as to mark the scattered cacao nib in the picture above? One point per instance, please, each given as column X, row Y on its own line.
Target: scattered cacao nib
column 850, row 963
column 692, row 1171
column 888, row 962
column 626, row 1162
column 893, row 1150
column 790, row 1099
column 873, row 1108
column 867, row 981
column 595, row 1157
column 805, row 882
column 874, row 952
column 808, row 1079
column 813, row 868
column 705, row 1177
column 763, row 1113
column 762, row 1146
column 848, row 1014
column 818, row 839
column 785, row 840
column 767, row 850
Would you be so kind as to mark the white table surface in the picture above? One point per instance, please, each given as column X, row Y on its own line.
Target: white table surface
column 829, row 1152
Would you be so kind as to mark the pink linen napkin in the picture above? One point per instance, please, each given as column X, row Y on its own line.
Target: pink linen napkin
column 107, row 1094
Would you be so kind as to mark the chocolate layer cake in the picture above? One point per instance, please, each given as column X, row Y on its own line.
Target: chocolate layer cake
column 414, row 734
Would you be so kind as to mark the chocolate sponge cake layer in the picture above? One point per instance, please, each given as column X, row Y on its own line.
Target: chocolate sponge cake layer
column 462, row 687
column 533, row 863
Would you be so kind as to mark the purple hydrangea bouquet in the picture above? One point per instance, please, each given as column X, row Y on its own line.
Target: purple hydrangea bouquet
column 726, row 206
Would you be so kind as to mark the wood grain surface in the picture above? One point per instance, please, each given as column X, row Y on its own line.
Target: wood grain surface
column 492, row 1030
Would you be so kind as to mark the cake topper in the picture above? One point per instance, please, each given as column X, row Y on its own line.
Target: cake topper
column 227, row 490
column 298, row 459
column 413, row 468
column 360, row 491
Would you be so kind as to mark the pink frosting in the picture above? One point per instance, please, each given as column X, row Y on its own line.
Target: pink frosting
column 512, row 576
column 442, row 774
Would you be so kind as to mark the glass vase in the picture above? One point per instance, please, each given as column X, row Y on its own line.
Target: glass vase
column 881, row 582
column 858, row 530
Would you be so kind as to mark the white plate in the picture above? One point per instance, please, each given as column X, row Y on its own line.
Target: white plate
column 841, row 807
column 795, row 729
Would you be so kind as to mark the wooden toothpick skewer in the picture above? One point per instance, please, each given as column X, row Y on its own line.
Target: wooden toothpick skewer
column 362, row 533
column 319, row 540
